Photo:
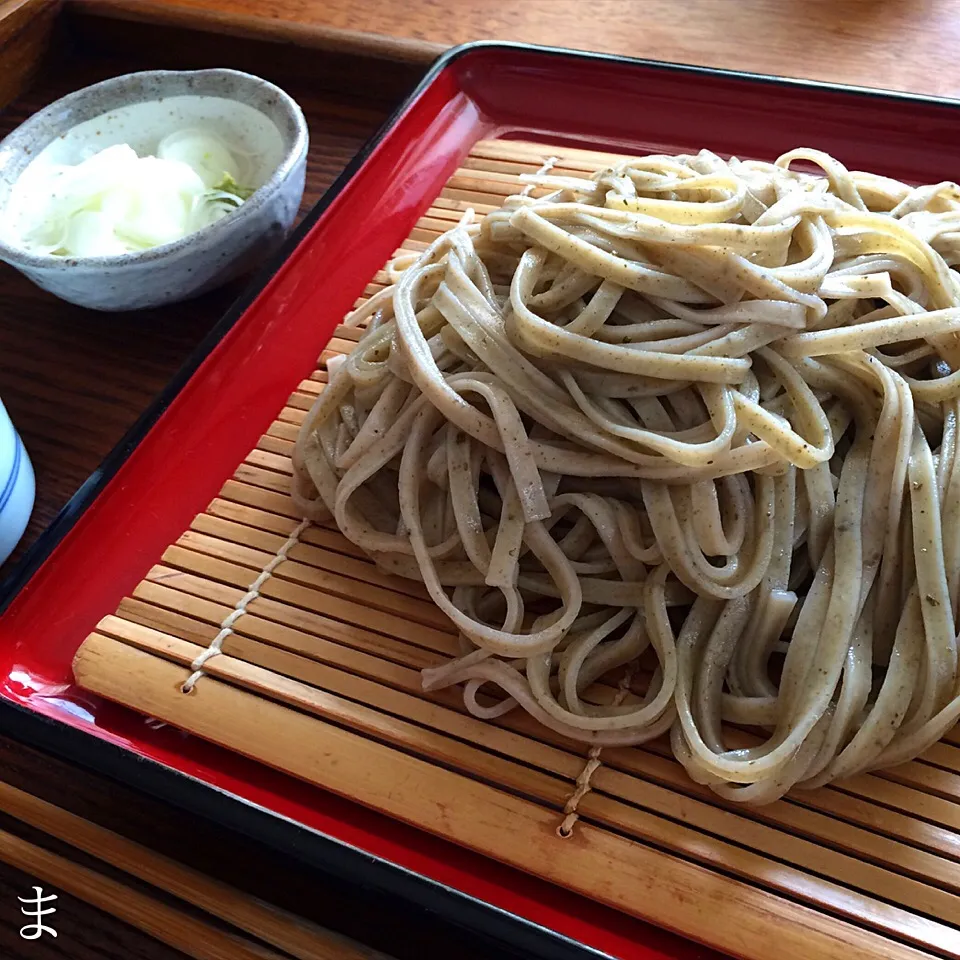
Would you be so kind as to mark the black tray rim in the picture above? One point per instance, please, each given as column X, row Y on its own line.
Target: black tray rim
column 510, row 934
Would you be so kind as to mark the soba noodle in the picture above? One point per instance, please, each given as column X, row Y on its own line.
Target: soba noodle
column 695, row 416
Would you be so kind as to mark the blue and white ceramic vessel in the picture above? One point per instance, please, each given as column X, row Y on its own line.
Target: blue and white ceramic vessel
column 16, row 486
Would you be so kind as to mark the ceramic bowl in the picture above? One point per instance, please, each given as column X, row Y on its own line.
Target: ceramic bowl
column 16, row 486
column 260, row 120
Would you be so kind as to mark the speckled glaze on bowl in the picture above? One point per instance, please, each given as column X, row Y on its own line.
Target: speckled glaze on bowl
column 202, row 260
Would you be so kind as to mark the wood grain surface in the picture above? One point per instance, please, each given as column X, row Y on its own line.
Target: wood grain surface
column 90, row 934
column 26, row 27
column 897, row 44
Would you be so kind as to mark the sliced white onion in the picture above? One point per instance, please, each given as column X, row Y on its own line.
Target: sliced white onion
column 203, row 152
column 91, row 234
column 115, row 202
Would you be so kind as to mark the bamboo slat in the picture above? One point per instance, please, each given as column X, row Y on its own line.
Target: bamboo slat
column 320, row 678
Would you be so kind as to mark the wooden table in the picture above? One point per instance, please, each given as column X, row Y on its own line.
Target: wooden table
column 75, row 381
column 898, row 44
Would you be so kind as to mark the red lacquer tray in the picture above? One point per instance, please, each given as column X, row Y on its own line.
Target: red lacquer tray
column 178, row 456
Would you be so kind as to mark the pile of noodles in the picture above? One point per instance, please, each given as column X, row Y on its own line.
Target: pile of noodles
column 695, row 416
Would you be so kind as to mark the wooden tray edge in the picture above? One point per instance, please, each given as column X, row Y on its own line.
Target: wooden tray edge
column 313, row 36
column 26, row 29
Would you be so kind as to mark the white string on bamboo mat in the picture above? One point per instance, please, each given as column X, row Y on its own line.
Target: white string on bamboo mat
column 582, row 786
column 226, row 625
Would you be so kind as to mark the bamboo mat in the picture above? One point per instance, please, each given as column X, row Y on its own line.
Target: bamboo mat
column 319, row 677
